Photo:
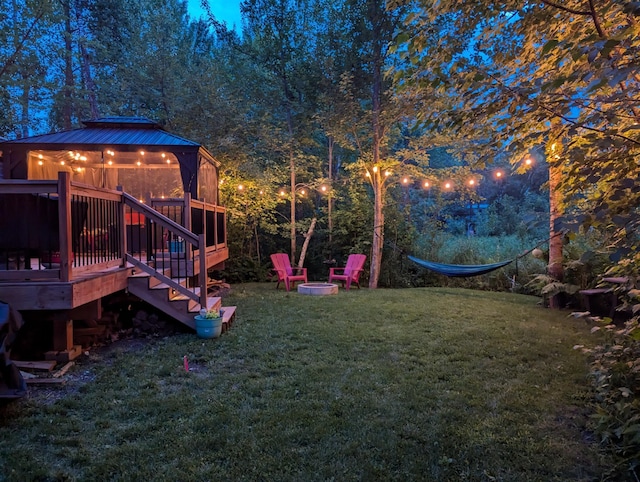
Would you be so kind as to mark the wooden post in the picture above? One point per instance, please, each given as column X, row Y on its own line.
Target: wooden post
column 186, row 215
column 62, row 335
column 204, row 225
column 122, row 222
column 64, row 225
column 203, row 271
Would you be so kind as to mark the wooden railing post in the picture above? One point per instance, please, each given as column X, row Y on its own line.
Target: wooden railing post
column 64, row 225
column 123, row 227
column 187, row 211
column 203, row 271
column 204, row 224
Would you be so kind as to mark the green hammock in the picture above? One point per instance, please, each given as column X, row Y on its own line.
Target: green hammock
column 460, row 270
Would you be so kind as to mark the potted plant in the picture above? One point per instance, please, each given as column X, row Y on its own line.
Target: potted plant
column 209, row 323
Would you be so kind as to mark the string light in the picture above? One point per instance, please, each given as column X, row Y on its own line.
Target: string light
column 282, row 193
column 498, row 174
column 405, row 180
column 472, row 182
column 528, row 161
column 387, row 173
column 426, row 184
column 375, row 168
column 323, row 188
column 139, row 163
column 240, row 187
column 447, row 185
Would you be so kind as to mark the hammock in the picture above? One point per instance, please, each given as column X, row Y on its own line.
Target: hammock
column 460, row 270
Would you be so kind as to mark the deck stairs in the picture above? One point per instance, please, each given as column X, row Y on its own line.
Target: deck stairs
column 173, row 303
column 156, row 282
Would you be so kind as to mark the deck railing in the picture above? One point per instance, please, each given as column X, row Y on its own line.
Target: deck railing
column 199, row 217
column 59, row 230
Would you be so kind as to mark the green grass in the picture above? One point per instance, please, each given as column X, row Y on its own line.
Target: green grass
column 416, row 384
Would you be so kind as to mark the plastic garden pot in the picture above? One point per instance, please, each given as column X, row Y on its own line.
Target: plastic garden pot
column 208, row 327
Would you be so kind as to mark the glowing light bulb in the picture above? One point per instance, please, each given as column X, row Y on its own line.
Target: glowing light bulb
column 426, row 184
column 375, row 168
column 240, row 187
column 40, row 163
column 110, row 163
column 471, row 182
column 139, row 163
column 323, row 188
column 447, row 185
column 405, row 180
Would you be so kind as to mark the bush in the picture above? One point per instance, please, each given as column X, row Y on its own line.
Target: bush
column 615, row 375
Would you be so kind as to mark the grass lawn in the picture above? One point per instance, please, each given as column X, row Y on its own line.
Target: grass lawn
column 414, row 384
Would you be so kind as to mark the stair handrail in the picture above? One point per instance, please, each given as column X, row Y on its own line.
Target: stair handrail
column 187, row 235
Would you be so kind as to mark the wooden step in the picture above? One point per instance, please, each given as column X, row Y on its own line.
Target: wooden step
column 228, row 316
column 177, row 305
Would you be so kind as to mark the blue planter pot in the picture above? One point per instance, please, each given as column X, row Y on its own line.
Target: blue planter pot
column 208, row 327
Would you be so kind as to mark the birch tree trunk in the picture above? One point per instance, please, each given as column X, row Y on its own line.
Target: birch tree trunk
column 305, row 245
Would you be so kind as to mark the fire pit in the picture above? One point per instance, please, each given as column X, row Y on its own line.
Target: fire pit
column 318, row 289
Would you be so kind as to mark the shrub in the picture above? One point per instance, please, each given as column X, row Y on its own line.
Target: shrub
column 615, row 375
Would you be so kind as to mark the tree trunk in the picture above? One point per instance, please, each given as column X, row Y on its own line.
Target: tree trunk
column 378, row 177
column 305, row 245
column 555, row 267
column 67, row 108
column 24, row 107
column 88, row 80
column 329, row 196
column 292, row 167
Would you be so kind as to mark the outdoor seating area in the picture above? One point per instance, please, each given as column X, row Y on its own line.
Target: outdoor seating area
column 347, row 276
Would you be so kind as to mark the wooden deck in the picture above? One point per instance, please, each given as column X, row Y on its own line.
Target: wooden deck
column 65, row 246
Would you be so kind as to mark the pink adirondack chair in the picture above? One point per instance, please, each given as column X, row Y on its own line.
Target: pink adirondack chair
column 350, row 274
column 287, row 274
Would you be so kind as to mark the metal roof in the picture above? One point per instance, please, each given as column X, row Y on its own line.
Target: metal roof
column 111, row 132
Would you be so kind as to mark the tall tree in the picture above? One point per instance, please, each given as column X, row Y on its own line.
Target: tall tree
column 277, row 37
column 24, row 30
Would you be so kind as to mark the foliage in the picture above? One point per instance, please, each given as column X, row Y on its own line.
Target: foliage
column 210, row 314
column 437, row 384
column 615, row 375
column 507, row 77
